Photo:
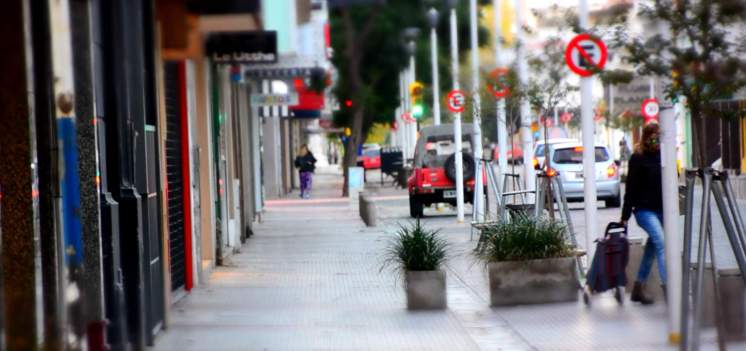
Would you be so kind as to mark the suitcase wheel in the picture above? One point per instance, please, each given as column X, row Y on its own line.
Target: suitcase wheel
column 619, row 295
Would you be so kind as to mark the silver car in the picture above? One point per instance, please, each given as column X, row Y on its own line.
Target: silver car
column 538, row 160
column 567, row 161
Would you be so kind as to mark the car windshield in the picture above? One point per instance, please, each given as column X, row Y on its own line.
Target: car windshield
column 575, row 155
column 372, row 152
column 438, row 149
column 539, row 151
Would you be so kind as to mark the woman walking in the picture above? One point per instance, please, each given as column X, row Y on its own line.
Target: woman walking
column 643, row 197
column 306, row 164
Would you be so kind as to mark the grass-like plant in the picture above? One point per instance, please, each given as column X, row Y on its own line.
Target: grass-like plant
column 523, row 238
column 415, row 248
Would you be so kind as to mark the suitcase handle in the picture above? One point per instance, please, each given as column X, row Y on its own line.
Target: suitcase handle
column 616, row 227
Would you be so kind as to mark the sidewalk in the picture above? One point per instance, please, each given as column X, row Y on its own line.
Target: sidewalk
column 309, row 280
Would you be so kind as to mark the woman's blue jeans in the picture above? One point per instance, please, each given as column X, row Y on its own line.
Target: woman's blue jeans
column 652, row 223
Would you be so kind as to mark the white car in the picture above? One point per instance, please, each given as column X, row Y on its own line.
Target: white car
column 567, row 160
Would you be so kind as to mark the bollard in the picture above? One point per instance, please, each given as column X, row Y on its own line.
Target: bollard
column 367, row 209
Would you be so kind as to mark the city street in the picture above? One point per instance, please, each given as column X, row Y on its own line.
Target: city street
column 207, row 175
column 310, row 279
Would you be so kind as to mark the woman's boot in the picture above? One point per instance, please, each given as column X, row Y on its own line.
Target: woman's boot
column 638, row 295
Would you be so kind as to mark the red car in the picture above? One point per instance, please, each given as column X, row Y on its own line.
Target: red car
column 434, row 172
column 515, row 154
column 371, row 158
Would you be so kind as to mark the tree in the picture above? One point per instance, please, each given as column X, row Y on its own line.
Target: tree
column 369, row 54
column 547, row 88
column 698, row 50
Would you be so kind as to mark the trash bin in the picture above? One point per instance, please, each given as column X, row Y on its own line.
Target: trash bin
column 392, row 162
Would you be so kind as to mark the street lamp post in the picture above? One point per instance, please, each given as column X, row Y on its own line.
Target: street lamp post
column 410, row 35
column 457, row 115
column 432, row 16
column 589, row 148
column 478, row 203
column 402, row 127
column 502, row 132
column 528, row 142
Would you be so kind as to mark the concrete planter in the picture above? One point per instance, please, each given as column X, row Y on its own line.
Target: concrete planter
column 426, row 290
column 533, row 281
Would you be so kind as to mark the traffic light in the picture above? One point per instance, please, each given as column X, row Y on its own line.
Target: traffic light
column 416, row 92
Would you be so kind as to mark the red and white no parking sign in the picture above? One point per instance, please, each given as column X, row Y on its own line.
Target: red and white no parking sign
column 650, row 109
column 586, row 54
column 456, row 101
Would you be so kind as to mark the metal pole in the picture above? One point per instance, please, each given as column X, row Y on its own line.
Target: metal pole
column 671, row 221
column 589, row 161
column 433, row 14
column 457, row 118
column 527, row 139
column 502, row 132
column 733, row 205
column 478, row 205
column 718, row 191
column 704, row 221
column 686, row 260
column 404, row 110
column 413, row 125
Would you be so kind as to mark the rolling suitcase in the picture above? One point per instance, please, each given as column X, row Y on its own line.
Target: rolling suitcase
column 609, row 263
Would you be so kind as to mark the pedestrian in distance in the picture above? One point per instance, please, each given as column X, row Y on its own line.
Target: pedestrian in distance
column 644, row 199
column 306, row 164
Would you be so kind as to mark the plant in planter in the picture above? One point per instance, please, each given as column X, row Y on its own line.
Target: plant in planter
column 418, row 254
column 529, row 261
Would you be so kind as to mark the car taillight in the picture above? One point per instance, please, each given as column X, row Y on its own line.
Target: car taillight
column 611, row 171
column 551, row 172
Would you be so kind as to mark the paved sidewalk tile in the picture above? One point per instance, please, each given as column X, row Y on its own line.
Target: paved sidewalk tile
column 309, row 280
column 562, row 326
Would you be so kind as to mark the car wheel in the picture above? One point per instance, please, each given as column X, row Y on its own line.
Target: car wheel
column 415, row 207
column 614, row 202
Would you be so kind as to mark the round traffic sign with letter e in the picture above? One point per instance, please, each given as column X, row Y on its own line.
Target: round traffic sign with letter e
column 586, row 54
column 456, row 101
column 650, row 109
column 496, row 84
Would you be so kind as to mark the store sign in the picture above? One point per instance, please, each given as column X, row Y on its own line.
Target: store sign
column 274, row 99
column 242, row 47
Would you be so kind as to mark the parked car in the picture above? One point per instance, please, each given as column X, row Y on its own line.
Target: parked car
column 369, row 156
column 567, row 161
column 538, row 159
column 372, row 158
column 434, row 171
column 515, row 154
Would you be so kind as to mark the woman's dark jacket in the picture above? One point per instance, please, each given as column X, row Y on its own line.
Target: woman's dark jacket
column 643, row 189
column 306, row 163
